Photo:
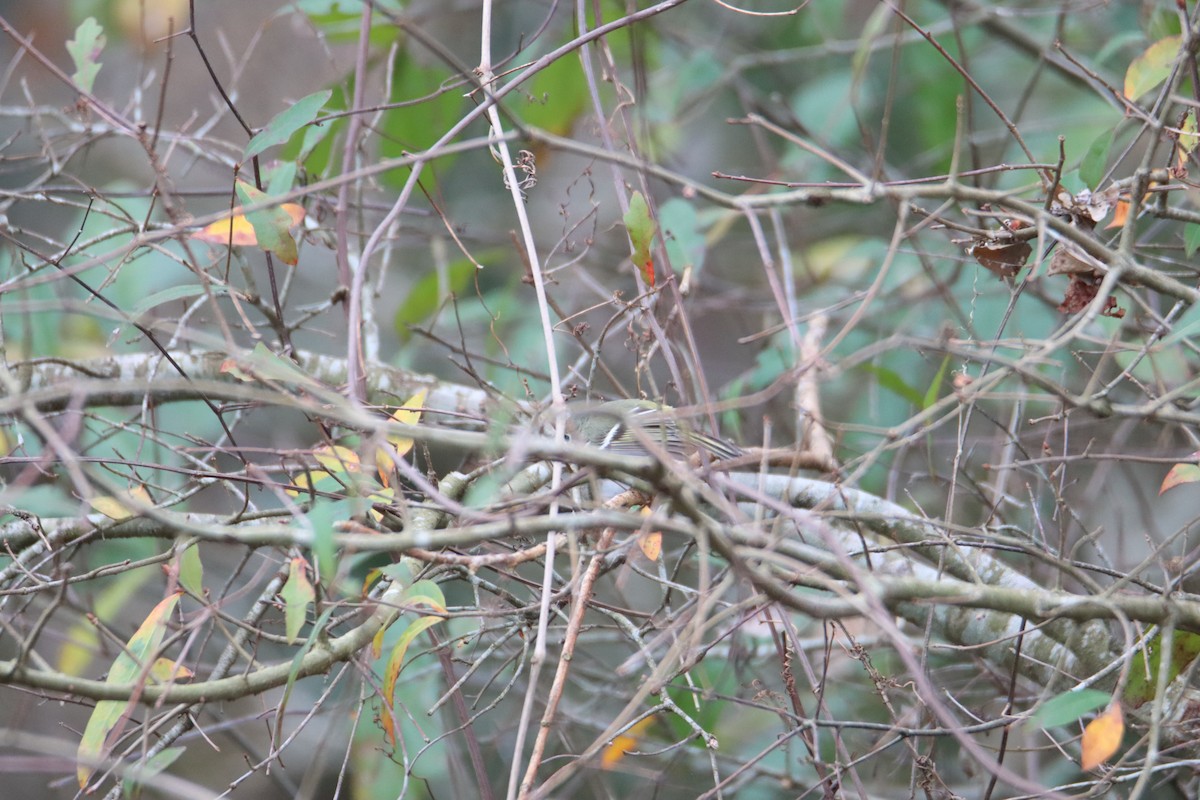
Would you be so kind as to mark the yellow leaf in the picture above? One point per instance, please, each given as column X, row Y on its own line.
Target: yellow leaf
column 385, row 496
column 368, row 582
column 306, row 480
column 377, row 643
column 146, row 23
column 110, row 507
column 76, row 654
column 384, row 464
column 337, row 459
column 165, row 670
column 122, row 506
column 82, row 642
column 409, row 414
column 1188, row 137
column 1102, row 737
column 238, row 231
column 1152, row 67
column 298, row 595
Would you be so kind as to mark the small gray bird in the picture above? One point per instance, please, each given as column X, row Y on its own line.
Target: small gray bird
column 610, row 425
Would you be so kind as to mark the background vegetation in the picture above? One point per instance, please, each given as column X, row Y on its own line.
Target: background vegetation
column 290, row 506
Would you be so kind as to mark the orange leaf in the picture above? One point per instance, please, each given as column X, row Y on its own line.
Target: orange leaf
column 648, row 272
column 651, row 544
column 231, row 367
column 624, row 742
column 1121, row 208
column 1120, row 215
column 237, row 232
column 1102, row 737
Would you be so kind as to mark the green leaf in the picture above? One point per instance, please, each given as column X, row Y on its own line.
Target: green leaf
column 182, row 292
column 340, row 21
column 426, row 296
column 875, row 27
column 1143, row 671
column 556, row 96
column 891, row 380
column 682, row 234
column 271, row 225
column 640, row 226
column 282, row 178
column 392, row 673
column 1095, row 161
column 425, row 593
column 1068, row 707
column 191, row 570
column 294, row 672
column 695, row 691
column 935, row 388
column 401, row 572
column 272, row 366
column 316, row 143
column 84, row 49
column 322, row 517
column 314, row 148
column 131, row 664
column 427, row 112
column 483, row 491
column 138, row 775
column 1191, row 238
column 286, row 123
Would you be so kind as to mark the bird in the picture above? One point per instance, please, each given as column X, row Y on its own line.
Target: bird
column 611, row 425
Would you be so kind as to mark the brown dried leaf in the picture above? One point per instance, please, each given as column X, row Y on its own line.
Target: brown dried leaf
column 1066, row 262
column 1082, row 292
column 1004, row 259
